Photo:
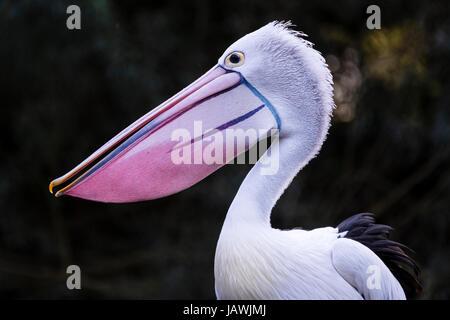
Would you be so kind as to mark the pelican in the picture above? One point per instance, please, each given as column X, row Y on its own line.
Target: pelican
column 271, row 80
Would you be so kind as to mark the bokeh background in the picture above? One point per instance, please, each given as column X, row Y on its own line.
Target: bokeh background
column 64, row 93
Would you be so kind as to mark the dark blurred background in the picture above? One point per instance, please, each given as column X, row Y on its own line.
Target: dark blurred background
column 64, row 93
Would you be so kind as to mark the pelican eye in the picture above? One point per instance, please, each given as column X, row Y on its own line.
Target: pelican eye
column 235, row 59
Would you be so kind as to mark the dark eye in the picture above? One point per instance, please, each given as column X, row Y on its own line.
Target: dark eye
column 235, row 59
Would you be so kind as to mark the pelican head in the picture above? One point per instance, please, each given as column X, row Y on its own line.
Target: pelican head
column 271, row 80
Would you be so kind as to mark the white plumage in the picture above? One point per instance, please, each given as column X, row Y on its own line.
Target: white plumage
column 255, row 261
column 258, row 262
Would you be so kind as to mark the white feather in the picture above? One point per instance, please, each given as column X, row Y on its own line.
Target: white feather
column 253, row 260
column 365, row 271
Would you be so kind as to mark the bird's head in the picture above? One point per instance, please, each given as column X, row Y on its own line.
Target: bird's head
column 268, row 82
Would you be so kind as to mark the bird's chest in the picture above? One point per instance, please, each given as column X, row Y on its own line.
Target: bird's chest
column 263, row 267
column 242, row 271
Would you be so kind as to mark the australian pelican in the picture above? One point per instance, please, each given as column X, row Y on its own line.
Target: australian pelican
column 271, row 79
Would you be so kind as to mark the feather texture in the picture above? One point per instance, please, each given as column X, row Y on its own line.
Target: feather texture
column 362, row 228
